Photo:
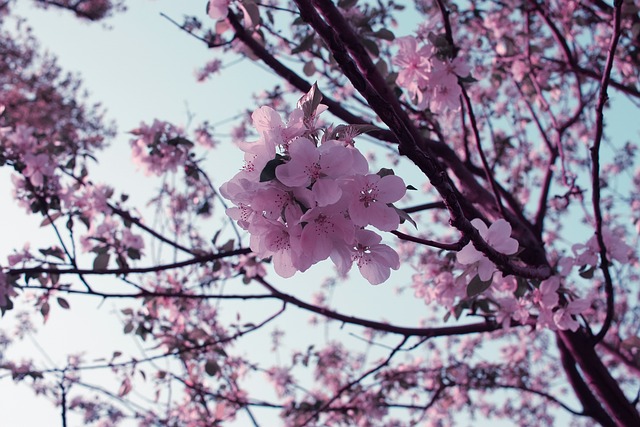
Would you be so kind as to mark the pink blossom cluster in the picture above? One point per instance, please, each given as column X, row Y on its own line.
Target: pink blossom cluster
column 110, row 234
column 159, row 148
column 430, row 78
column 304, row 199
column 498, row 236
column 211, row 67
column 549, row 304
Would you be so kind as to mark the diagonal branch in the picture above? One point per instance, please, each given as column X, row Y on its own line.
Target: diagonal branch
column 360, row 70
column 595, row 171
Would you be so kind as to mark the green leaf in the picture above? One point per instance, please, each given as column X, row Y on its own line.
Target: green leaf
column 54, row 252
column 128, row 328
column 305, row 45
column 371, row 46
column 211, row 367
column 63, row 303
column 477, row 286
column 7, row 307
column 269, row 171
column 467, row 79
column 309, row 69
column 44, row 310
column 180, row 140
column 347, row 4
column 411, row 187
column 50, row 219
column 251, row 13
column 405, row 217
column 101, row 261
column 133, row 253
column 348, row 132
column 587, row 273
column 384, row 34
column 227, row 247
column 523, row 287
column 125, row 387
column 382, row 67
column 384, row 172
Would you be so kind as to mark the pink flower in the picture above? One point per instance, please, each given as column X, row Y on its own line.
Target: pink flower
column 319, row 166
column 512, row 308
column 38, row 167
column 325, row 229
column 369, row 199
column 218, row 9
column 413, row 63
column 273, row 130
column 498, row 237
column 564, row 318
column 374, row 260
column 547, row 294
column 281, row 241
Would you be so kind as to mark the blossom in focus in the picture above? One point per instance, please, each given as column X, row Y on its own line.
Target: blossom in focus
column 304, row 198
column 498, row 236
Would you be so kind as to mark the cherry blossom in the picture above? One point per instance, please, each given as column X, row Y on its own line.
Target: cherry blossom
column 373, row 194
column 498, row 236
column 218, row 9
column 498, row 115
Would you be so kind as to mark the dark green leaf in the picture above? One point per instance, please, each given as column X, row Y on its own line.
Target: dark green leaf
column 133, row 253
column 384, row 34
column 477, row 286
column 211, row 367
column 269, row 171
column 405, row 217
column 251, row 13
column 309, row 69
column 50, row 219
column 128, row 328
column 305, row 45
column 101, row 261
column 587, row 273
column 347, row 4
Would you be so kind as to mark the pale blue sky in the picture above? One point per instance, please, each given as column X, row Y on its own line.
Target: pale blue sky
column 140, row 70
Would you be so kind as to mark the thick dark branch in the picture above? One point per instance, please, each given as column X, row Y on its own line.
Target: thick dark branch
column 485, row 164
column 590, row 404
column 598, row 379
column 299, row 83
column 595, row 171
column 358, row 67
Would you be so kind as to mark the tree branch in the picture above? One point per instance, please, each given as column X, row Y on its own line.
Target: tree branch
column 595, row 171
